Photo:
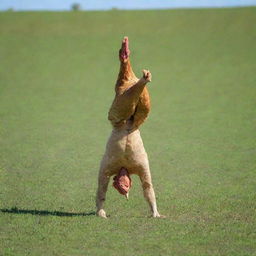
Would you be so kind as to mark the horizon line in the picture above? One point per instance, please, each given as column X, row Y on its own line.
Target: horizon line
column 127, row 9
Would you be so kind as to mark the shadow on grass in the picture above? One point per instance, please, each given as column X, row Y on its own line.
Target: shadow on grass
column 15, row 210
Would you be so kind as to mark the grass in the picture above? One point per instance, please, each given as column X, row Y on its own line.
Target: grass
column 56, row 84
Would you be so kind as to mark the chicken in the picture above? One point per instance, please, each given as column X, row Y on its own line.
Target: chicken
column 125, row 154
column 132, row 103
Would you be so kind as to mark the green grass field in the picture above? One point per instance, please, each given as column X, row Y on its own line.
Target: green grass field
column 57, row 80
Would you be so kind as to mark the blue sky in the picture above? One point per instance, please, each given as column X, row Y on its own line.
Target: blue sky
column 122, row 4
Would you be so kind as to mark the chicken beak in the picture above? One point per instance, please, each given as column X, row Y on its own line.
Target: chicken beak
column 127, row 196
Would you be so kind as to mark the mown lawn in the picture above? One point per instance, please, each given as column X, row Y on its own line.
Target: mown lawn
column 57, row 78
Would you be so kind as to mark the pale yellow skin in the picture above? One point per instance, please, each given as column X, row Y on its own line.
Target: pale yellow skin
column 125, row 147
